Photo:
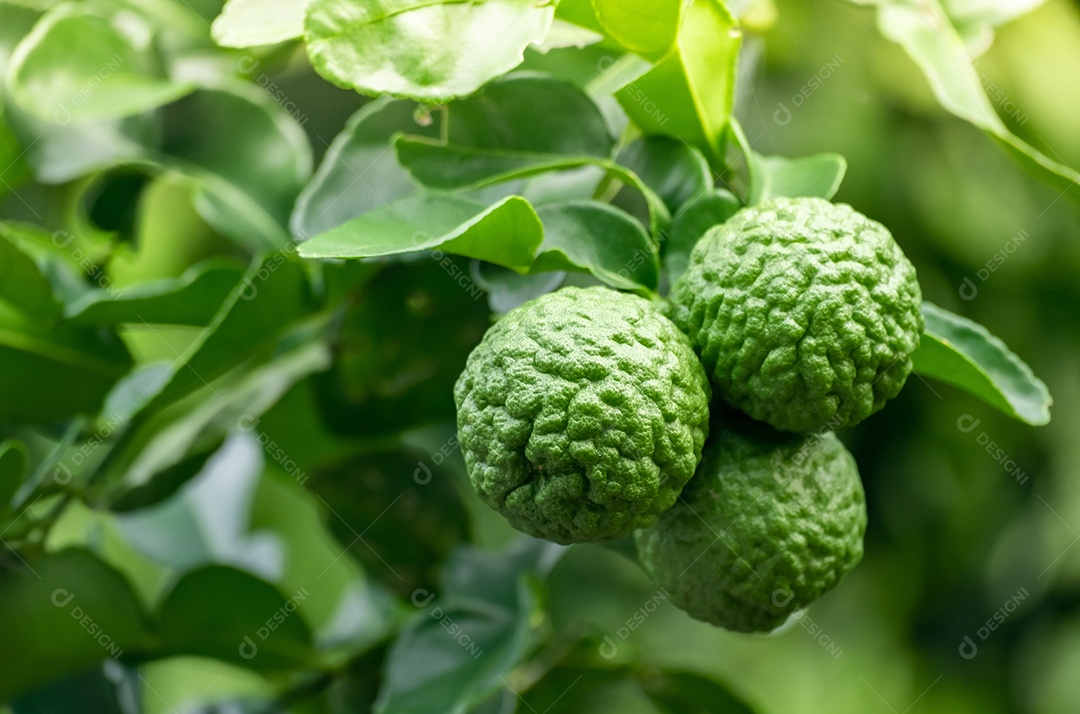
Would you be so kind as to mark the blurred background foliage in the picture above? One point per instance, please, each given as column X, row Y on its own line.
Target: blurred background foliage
column 323, row 477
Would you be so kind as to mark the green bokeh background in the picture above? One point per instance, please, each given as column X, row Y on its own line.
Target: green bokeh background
column 959, row 529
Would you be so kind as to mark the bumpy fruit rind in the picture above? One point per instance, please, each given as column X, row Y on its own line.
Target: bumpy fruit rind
column 805, row 313
column 582, row 414
column 768, row 525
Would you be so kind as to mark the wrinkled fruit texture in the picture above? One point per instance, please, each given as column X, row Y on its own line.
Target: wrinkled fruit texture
column 765, row 527
column 805, row 313
column 582, row 415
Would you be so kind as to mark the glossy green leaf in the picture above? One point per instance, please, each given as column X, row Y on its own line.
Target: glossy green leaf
column 975, row 20
column 818, row 176
column 564, row 34
column 359, row 172
column 689, row 93
column 742, row 158
column 676, row 171
column 180, row 27
column 453, row 667
column 134, row 391
column 57, row 153
column 691, row 223
column 581, row 13
column 457, row 650
column 51, row 373
column 272, row 298
column 247, row 23
column 645, row 27
column 502, row 117
column 472, row 573
column 988, row 12
column 206, row 521
column 233, row 616
column 60, row 257
column 22, row 282
column 497, row 132
column 170, row 447
column 13, row 462
column 506, row 233
column 964, row 354
column 496, row 136
column 164, row 236
column 387, row 47
column 597, row 238
column 928, row 36
column 68, row 613
column 76, row 64
column 486, row 173
column 237, row 214
column 192, row 299
column 690, row 693
column 349, row 611
column 593, row 68
column 248, row 159
column 249, row 508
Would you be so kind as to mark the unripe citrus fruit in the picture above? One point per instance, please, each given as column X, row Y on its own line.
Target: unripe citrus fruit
column 582, row 415
column 804, row 313
column 768, row 524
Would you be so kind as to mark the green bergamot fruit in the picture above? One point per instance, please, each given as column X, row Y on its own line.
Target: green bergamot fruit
column 804, row 313
column 582, row 414
column 768, row 524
